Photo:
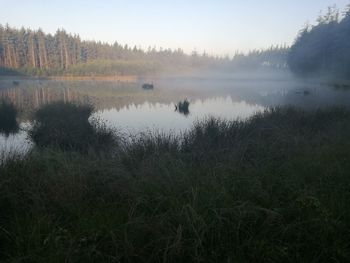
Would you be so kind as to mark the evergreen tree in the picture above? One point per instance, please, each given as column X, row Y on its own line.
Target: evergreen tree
column 323, row 48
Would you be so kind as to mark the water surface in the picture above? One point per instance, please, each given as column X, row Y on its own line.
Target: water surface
column 131, row 110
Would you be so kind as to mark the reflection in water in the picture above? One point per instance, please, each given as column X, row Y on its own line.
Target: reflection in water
column 159, row 116
column 31, row 94
column 27, row 99
column 129, row 108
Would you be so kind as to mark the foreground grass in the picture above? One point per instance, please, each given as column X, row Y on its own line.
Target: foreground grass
column 272, row 189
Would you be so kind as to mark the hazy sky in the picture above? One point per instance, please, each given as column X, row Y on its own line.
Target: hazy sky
column 217, row 26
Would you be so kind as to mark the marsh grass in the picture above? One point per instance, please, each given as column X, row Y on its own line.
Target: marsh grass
column 274, row 188
column 8, row 118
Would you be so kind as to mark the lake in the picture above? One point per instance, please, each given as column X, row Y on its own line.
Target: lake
column 128, row 108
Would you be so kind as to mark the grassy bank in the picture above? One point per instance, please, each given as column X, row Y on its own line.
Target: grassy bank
column 272, row 189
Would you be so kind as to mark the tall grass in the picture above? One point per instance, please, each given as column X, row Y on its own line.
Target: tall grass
column 8, row 118
column 274, row 188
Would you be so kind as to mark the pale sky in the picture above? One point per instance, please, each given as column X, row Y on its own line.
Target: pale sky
column 216, row 26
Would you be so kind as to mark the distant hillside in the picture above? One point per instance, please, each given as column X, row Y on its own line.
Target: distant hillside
column 29, row 52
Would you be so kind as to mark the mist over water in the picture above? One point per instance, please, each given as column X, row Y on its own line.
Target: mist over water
column 131, row 110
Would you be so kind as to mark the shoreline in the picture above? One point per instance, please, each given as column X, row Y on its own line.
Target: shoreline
column 125, row 78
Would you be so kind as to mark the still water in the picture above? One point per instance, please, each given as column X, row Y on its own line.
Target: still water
column 163, row 117
column 132, row 110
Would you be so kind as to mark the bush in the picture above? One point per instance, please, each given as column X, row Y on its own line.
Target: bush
column 8, row 115
column 67, row 126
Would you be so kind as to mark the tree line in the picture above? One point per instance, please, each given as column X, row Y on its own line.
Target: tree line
column 272, row 57
column 34, row 52
column 323, row 48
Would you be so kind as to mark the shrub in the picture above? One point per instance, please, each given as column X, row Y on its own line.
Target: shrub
column 8, row 115
column 67, row 126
